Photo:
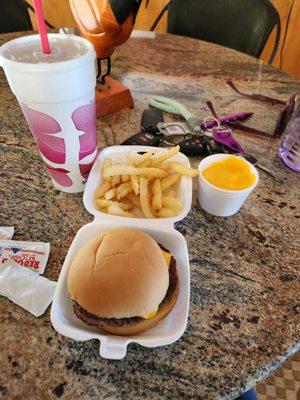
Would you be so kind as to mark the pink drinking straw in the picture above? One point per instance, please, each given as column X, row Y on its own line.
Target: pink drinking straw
column 42, row 26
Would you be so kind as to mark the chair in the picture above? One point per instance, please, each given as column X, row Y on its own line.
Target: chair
column 14, row 16
column 243, row 25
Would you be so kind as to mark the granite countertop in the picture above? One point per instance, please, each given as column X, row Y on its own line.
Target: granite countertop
column 244, row 310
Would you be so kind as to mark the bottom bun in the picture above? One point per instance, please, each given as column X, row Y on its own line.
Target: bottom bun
column 134, row 325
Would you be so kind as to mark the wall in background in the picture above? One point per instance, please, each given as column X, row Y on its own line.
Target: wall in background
column 146, row 16
column 58, row 13
column 291, row 51
column 288, row 54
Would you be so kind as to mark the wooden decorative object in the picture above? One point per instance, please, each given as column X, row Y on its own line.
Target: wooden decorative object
column 107, row 24
column 112, row 97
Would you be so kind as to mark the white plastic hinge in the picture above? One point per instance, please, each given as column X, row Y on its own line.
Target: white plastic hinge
column 113, row 349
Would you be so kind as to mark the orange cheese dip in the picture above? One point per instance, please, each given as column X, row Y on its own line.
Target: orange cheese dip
column 232, row 173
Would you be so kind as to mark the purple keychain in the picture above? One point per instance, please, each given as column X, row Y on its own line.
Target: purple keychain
column 223, row 135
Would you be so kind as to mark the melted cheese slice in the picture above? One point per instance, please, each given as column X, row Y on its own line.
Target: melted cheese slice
column 150, row 314
column 167, row 257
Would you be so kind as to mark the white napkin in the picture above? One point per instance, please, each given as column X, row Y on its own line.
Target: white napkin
column 26, row 288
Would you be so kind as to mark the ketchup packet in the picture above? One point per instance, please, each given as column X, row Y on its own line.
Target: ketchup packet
column 31, row 255
column 6, row 232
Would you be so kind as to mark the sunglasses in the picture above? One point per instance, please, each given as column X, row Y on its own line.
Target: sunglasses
column 283, row 117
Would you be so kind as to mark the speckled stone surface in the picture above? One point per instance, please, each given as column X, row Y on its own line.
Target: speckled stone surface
column 244, row 313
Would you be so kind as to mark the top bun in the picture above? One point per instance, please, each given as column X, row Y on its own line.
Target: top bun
column 121, row 273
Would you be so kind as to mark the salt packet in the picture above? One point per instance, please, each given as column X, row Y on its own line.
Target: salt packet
column 6, row 232
column 31, row 255
column 26, row 288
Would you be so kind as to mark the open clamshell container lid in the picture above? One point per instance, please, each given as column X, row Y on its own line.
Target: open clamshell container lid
column 161, row 230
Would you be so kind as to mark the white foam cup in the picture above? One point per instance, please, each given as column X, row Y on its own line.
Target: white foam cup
column 217, row 201
column 58, row 102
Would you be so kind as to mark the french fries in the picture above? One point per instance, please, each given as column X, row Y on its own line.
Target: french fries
column 172, row 202
column 167, row 212
column 164, row 156
column 171, row 193
column 129, row 170
column 115, row 180
column 125, row 178
column 114, row 209
column 142, row 159
column 145, row 198
column 134, row 199
column 142, row 186
column 181, row 169
column 110, row 194
column 166, row 183
column 106, row 164
column 123, row 190
column 102, row 203
column 102, row 189
column 156, row 196
column 146, row 163
column 135, row 184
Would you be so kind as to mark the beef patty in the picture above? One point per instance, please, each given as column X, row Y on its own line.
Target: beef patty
column 93, row 320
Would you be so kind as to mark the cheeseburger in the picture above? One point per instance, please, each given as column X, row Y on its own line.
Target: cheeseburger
column 123, row 282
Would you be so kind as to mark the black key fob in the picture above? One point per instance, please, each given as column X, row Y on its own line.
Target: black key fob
column 143, row 139
column 193, row 147
column 213, row 147
column 150, row 118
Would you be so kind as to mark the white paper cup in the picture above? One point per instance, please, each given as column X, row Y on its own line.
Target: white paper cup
column 221, row 202
column 58, row 102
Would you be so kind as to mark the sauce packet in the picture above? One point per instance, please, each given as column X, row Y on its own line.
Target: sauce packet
column 31, row 255
column 26, row 288
column 6, row 232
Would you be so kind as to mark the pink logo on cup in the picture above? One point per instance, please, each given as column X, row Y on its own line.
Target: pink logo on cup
column 83, row 118
column 60, row 176
column 49, row 137
column 43, row 127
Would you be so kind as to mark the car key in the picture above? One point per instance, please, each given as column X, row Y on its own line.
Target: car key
column 143, row 139
column 150, row 119
column 174, row 128
column 201, row 145
column 193, row 147
column 213, row 147
column 149, row 135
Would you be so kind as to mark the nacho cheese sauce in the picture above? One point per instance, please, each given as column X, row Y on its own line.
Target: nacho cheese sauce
column 232, row 173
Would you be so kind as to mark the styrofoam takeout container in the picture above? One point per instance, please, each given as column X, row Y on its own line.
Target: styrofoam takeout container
column 161, row 230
